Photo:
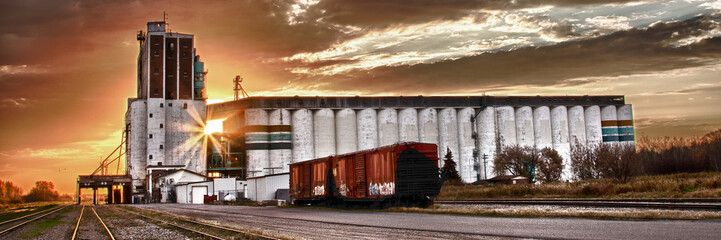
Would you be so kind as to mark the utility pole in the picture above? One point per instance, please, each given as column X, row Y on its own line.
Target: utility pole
column 485, row 172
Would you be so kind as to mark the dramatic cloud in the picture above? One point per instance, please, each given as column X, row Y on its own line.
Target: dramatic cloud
column 383, row 13
column 626, row 52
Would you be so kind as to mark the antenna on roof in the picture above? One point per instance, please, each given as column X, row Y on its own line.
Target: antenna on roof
column 238, row 88
column 165, row 20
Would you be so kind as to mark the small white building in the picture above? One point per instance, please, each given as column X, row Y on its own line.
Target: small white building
column 194, row 192
column 167, row 183
column 268, row 187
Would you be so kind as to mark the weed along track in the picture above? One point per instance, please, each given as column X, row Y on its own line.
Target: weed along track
column 32, row 225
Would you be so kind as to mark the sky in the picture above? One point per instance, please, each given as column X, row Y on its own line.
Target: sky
column 68, row 67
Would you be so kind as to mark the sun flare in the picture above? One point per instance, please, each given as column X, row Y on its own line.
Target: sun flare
column 214, row 126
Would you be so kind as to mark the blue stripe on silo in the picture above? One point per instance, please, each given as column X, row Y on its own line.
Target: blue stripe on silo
column 625, row 130
column 610, row 138
column 280, row 137
column 256, row 137
column 609, row 130
column 626, row 138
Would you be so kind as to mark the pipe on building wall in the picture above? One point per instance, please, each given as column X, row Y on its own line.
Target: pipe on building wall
column 408, row 125
column 346, row 133
column 302, row 125
column 281, row 153
column 256, row 141
column 367, row 129
column 324, row 132
column 387, row 127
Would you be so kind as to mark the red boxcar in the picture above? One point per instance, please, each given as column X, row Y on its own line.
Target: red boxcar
column 403, row 174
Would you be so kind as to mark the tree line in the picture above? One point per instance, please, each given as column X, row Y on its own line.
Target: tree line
column 42, row 191
column 620, row 161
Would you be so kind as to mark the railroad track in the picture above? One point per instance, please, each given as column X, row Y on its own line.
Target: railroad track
column 30, row 218
column 680, row 204
column 236, row 231
column 80, row 217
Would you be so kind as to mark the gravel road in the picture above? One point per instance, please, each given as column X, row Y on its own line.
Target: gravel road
column 337, row 224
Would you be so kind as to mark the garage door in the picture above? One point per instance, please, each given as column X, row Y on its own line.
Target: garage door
column 199, row 193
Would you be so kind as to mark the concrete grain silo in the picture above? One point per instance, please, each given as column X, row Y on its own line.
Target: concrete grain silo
column 323, row 126
column 367, row 129
column 256, row 141
column 346, row 133
column 324, row 133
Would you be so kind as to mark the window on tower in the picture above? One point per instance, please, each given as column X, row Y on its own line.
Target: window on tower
column 161, row 125
column 161, row 105
column 151, row 115
column 150, row 136
column 150, row 157
column 156, row 71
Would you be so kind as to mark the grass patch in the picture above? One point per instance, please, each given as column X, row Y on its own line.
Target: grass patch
column 23, row 211
column 682, row 185
column 39, row 227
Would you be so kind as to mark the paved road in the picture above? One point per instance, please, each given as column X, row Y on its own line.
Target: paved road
column 493, row 227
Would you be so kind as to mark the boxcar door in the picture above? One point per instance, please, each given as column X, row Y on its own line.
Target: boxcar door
column 361, row 187
column 306, row 189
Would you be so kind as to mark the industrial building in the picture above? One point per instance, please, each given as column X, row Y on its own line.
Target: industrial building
column 164, row 123
column 266, row 134
column 168, row 154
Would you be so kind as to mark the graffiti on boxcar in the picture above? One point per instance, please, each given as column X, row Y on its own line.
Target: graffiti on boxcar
column 319, row 190
column 343, row 189
column 388, row 188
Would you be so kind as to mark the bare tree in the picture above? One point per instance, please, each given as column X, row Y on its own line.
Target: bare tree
column 517, row 160
column 617, row 160
column 550, row 165
column 583, row 162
